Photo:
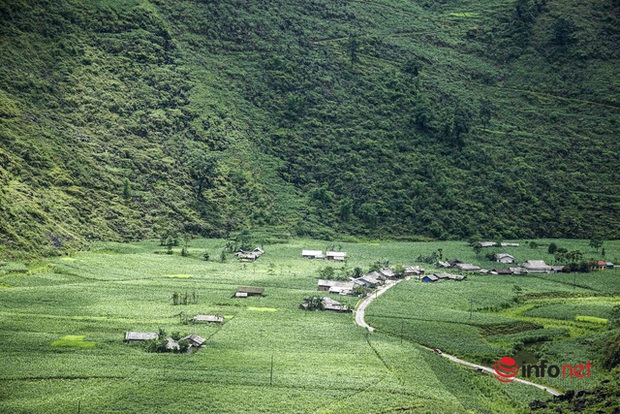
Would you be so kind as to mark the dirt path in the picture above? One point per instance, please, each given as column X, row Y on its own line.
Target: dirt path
column 359, row 320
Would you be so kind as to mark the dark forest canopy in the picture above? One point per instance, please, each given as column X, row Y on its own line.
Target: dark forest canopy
column 126, row 119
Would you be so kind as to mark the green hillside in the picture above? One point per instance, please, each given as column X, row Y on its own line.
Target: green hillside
column 124, row 119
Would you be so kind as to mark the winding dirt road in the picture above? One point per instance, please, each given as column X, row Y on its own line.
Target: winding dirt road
column 359, row 320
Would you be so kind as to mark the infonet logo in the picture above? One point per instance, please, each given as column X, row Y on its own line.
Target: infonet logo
column 507, row 368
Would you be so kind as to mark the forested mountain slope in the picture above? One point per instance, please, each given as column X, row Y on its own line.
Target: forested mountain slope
column 124, row 119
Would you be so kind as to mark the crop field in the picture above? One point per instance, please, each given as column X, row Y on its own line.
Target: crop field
column 62, row 323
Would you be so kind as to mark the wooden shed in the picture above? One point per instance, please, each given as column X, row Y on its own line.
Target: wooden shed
column 245, row 291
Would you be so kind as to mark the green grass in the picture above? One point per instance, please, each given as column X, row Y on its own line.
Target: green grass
column 323, row 362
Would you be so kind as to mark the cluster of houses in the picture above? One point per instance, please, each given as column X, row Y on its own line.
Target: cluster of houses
column 194, row 340
column 527, row 267
column 318, row 254
column 368, row 281
column 245, row 257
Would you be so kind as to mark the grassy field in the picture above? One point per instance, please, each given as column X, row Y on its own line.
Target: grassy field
column 62, row 323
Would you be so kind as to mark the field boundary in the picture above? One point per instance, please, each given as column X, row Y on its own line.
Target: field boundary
column 360, row 321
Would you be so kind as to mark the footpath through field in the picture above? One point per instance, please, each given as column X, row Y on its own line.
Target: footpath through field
column 359, row 320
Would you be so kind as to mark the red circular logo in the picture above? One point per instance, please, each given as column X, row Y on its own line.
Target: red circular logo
column 506, row 369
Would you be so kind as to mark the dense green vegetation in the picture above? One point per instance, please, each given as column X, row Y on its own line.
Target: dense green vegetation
column 125, row 119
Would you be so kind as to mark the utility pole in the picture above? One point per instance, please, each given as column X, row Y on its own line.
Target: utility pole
column 271, row 373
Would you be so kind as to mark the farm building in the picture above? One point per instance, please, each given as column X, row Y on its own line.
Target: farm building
column 487, row 244
column 536, row 266
column 249, row 256
column 207, row 318
column 331, row 305
column 139, row 336
column 509, row 244
column 429, row 278
column 504, row 258
column 467, row 267
column 609, row 265
column 502, row 271
column 450, row 276
column 387, row 274
column 245, row 291
column 338, row 256
column 335, row 286
column 368, row 281
column 442, row 276
column 326, row 303
column 194, row 340
column 312, row 254
column 414, row 271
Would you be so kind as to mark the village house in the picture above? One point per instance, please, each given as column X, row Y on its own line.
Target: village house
column 328, row 304
column 336, row 286
column 338, row 256
column 368, row 281
column 312, row 254
column 194, row 340
column 132, row 337
column 502, row 271
column 414, row 271
column 331, row 305
column 441, row 276
column 207, row 319
column 504, row 258
column 467, row 267
column 536, row 266
column 387, row 274
column 245, row 291
column 450, row 276
column 429, row 278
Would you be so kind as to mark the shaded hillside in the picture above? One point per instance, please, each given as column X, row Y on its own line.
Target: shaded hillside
column 126, row 119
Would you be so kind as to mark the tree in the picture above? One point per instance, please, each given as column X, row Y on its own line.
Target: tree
column 486, row 111
column 206, row 256
column 345, row 209
column 327, row 273
column 562, row 32
column 477, row 247
column 126, row 189
column 313, row 303
column 399, row 271
column 596, row 243
column 552, row 248
column 223, row 256
column 353, row 46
